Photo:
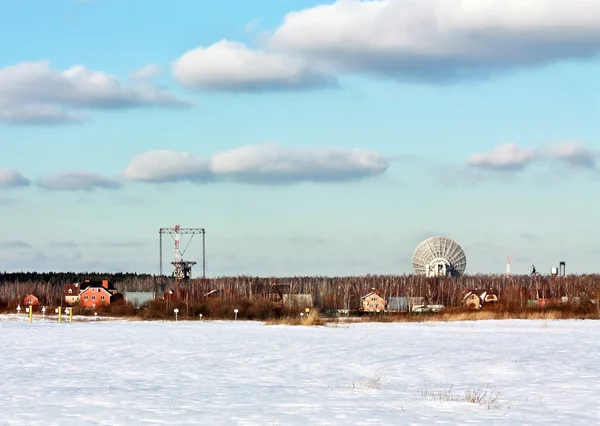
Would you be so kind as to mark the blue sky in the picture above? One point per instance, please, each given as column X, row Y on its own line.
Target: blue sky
column 307, row 137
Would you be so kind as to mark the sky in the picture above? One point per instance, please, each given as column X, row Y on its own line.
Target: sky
column 306, row 137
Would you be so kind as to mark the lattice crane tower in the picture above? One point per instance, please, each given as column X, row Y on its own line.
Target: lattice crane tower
column 182, row 269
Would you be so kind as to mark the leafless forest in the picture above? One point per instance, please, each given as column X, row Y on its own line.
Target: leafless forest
column 327, row 292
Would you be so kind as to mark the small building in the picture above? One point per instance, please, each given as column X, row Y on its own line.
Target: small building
column 71, row 294
column 477, row 298
column 270, row 292
column 403, row 303
column 373, row 302
column 97, row 293
column 139, row 298
column 31, row 300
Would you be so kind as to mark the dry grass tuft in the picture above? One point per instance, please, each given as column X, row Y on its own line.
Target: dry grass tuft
column 375, row 382
column 312, row 319
column 482, row 396
column 461, row 314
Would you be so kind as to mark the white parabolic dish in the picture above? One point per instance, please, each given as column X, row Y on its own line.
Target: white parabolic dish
column 439, row 256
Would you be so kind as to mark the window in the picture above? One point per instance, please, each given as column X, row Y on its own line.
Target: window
column 70, row 291
column 86, row 298
column 93, row 297
column 101, row 297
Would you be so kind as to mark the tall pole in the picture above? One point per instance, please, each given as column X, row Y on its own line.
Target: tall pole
column 160, row 252
column 203, row 254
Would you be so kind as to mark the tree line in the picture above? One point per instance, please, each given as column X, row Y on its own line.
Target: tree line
column 327, row 292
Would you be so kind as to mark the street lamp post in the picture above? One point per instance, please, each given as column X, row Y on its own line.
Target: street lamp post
column 176, row 312
column 235, row 311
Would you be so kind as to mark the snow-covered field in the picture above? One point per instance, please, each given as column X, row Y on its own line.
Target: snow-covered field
column 247, row 373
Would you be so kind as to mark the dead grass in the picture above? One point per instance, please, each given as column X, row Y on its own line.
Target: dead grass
column 312, row 319
column 482, row 396
column 468, row 315
column 377, row 381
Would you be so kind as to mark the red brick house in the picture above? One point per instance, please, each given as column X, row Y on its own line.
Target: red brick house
column 97, row 293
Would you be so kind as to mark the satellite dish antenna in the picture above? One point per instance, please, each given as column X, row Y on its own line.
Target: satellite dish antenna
column 439, row 256
column 532, row 270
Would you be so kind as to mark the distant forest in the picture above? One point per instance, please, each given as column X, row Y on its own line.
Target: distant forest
column 327, row 292
column 68, row 277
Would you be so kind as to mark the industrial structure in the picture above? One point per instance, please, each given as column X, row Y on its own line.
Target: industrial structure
column 439, row 256
column 182, row 269
column 560, row 271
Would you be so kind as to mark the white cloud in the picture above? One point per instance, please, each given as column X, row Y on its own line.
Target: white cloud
column 147, row 72
column 231, row 66
column 512, row 157
column 573, row 153
column 167, row 166
column 508, row 156
column 11, row 178
column 77, row 181
column 271, row 163
column 438, row 40
column 267, row 163
column 32, row 92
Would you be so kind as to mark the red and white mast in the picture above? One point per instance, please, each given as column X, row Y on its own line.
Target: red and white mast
column 177, row 246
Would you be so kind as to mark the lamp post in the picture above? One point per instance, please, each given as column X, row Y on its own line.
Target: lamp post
column 235, row 311
column 19, row 310
column 176, row 312
column 43, row 312
column 200, row 317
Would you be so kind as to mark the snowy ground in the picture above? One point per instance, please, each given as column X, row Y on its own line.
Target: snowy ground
column 246, row 373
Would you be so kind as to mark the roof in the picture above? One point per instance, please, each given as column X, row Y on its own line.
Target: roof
column 480, row 292
column 96, row 283
column 74, row 289
column 371, row 293
column 402, row 302
column 90, row 288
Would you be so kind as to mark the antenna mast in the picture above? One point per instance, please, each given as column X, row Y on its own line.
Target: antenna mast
column 508, row 265
column 177, row 238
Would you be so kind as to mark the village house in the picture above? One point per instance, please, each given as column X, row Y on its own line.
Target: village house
column 91, row 293
column 71, row 293
column 477, row 298
column 281, row 294
column 31, row 300
column 403, row 303
column 373, row 302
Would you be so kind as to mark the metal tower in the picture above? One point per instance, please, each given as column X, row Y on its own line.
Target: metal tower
column 182, row 269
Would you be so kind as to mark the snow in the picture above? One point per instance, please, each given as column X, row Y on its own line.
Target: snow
column 247, row 373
